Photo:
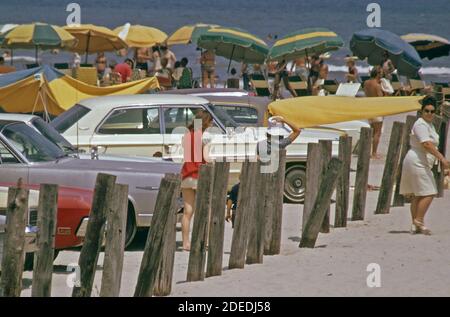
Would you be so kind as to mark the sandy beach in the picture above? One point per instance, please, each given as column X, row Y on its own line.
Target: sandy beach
column 411, row 265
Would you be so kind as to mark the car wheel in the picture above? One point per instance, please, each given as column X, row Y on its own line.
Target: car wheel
column 131, row 227
column 294, row 184
column 29, row 260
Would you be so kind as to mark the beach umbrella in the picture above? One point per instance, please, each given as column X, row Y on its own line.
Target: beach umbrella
column 94, row 39
column 427, row 45
column 37, row 36
column 372, row 43
column 140, row 36
column 189, row 33
column 305, row 42
column 6, row 27
column 234, row 44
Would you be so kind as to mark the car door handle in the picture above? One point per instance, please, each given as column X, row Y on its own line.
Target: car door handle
column 83, row 128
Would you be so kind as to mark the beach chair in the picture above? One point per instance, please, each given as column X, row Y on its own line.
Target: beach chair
column 86, row 65
column 299, row 85
column 416, row 86
column 233, row 83
column 61, row 65
column 397, row 85
column 87, row 75
column 445, row 94
column 331, row 86
column 260, row 85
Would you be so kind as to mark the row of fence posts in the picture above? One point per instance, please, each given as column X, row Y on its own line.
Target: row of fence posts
column 258, row 223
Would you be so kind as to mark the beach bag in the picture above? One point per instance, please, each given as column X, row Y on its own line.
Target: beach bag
column 185, row 79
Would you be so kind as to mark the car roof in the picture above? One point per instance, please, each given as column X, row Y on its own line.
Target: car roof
column 144, row 99
column 17, row 117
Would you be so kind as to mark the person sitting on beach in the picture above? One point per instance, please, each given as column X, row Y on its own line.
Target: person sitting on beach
column 232, row 204
column 282, row 75
column 352, row 74
column 208, row 67
column 142, row 56
column 170, row 56
column 100, row 64
column 125, row 70
column 372, row 88
column 185, row 80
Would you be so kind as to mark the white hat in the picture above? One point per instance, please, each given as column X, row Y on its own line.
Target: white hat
column 326, row 55
column 278, row 128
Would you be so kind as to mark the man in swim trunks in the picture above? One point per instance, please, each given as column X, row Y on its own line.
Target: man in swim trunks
column 142, row 56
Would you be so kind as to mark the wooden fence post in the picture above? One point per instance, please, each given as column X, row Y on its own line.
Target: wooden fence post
column 14, row 243
column 163, row 218
column 313, row 170
column 116, row 221
column 325, row 148
column 103, row 195
column 399, row 199
column 43, row 258
column 343, row 182
column 326, row 189
column 390, row 168
column 199, row 240
column 278, row 195
column 255, row 249
column 217, row 223
column 362, row 174
column 244, row 211
column 164, row 276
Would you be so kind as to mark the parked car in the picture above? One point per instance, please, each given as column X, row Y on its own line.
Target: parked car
column 146, row 125
column 27, row 154
column 74, row 205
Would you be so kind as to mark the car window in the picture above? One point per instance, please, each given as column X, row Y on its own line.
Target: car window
column 242, row 115
column 67, row 119
column 6, row 157
column 132, row 121
column 178, row 117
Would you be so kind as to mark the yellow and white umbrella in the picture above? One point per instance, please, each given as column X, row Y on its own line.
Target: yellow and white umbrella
column 140, row 36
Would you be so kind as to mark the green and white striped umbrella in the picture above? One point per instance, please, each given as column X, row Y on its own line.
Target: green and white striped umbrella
column 305, row 42
column 234, row 44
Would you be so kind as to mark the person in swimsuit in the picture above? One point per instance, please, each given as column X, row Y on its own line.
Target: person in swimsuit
column 170, row 56
column 142, row 56
column 156, row 59
column 208, row 67
column 282, row 75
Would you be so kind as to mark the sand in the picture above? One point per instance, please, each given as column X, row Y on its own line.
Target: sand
column 410, row 265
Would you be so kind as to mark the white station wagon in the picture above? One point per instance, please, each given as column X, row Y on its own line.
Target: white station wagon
column 145, row 125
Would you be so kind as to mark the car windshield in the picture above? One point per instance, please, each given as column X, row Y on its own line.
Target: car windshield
column 33, row 146
column 51, row 134
column 242, row 115
column 67, row 119
column 224, row 118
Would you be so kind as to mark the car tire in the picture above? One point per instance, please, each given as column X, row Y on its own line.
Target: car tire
column 294, row 184
column 28, row 263
column 131, row 227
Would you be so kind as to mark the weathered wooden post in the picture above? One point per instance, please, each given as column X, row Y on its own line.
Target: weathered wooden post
column 116, row 221
column 164, row 276
column 255, row 248
column 217, row 223
column 199, row 240
column 362, row 174
column 278, row 194
column 14, row 243
column 343, row 182
column 390, row 168
column 245, row 207
column 326, row 189
column 399, row 199
column 163, row 219
column 325, row 149
column 43, row 258
column 313, row 173
column 103, row 195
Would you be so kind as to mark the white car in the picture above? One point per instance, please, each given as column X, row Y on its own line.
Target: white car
column 146, row 125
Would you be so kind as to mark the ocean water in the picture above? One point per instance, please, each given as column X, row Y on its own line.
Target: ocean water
column 260, row 17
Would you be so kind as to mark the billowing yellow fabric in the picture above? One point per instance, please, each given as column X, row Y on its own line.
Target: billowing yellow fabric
column 313, row 111
column 38, row 95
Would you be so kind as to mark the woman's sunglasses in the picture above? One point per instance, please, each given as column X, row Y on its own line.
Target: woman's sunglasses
column 429, row 111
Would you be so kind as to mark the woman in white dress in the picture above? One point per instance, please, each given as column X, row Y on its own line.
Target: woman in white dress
column 417, row 177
